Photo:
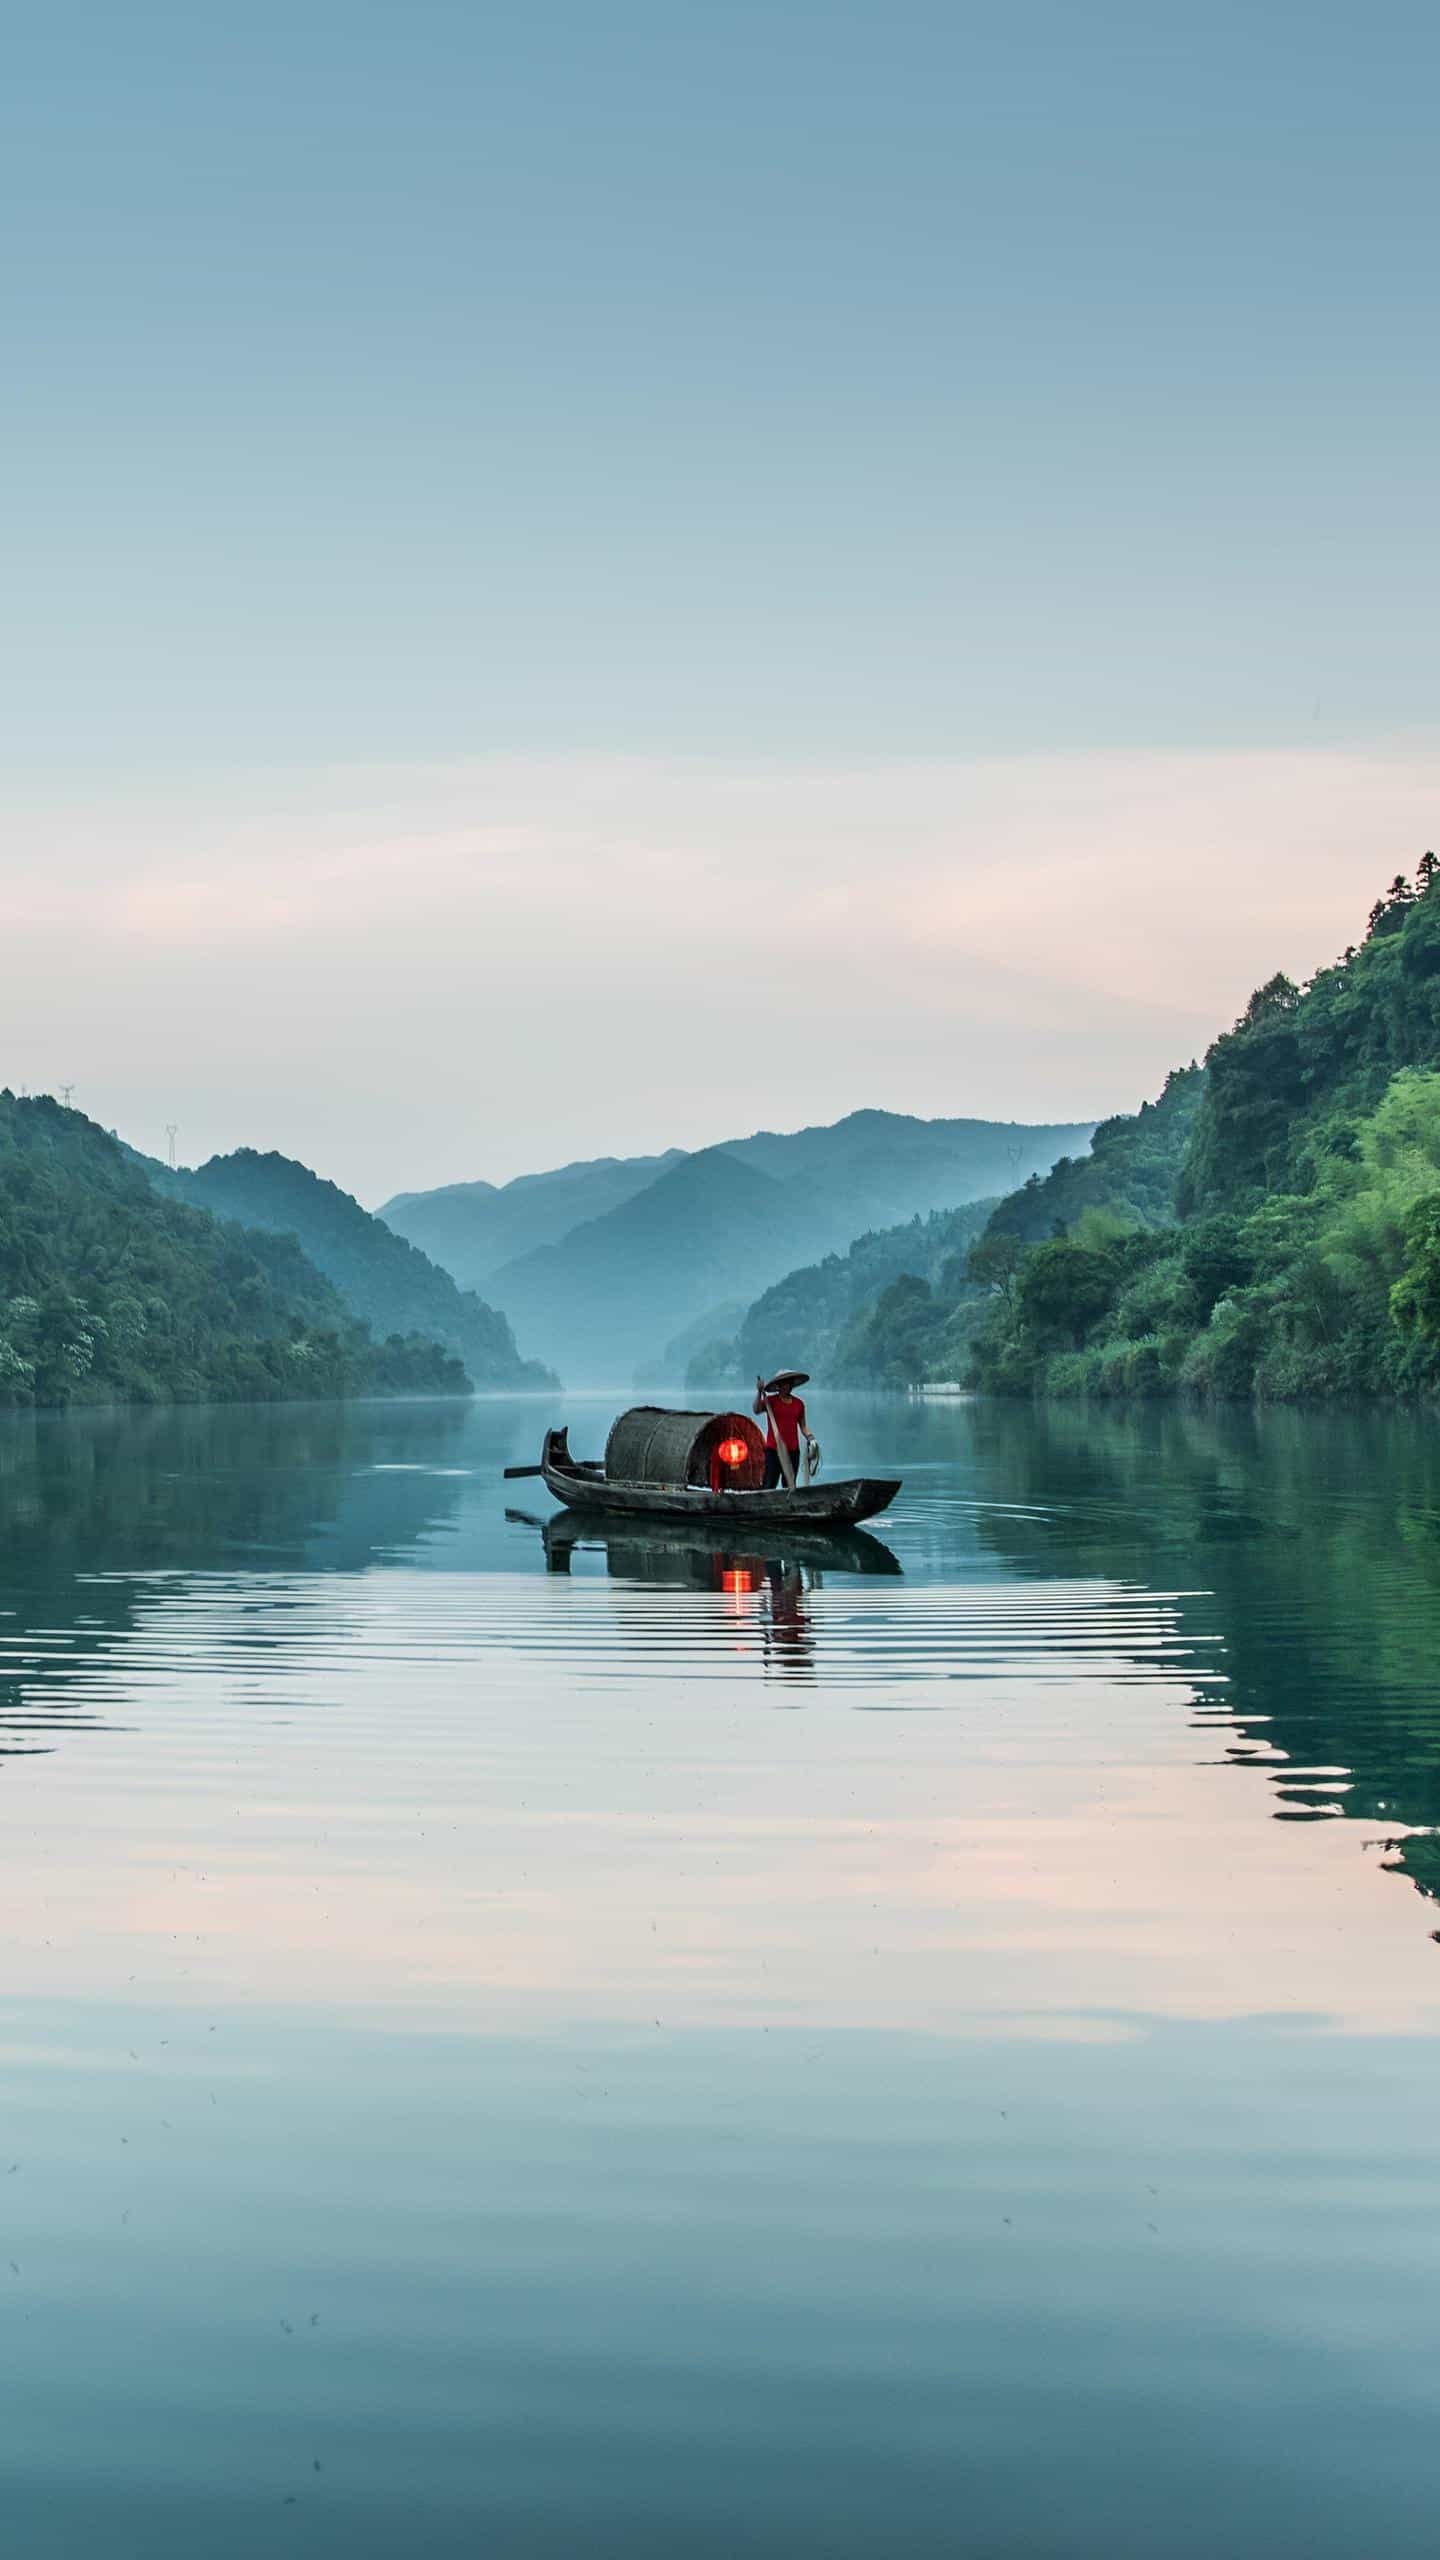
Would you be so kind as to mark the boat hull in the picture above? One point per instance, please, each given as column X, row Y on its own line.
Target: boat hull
column 811, row 1506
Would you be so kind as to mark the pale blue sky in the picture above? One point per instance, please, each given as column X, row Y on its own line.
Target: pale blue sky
column 407, row 386
column 425, row 378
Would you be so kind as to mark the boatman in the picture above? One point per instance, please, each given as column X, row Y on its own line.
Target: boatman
column 785, row 1426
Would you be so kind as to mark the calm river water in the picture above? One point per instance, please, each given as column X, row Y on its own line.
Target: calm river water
column 517, row 2046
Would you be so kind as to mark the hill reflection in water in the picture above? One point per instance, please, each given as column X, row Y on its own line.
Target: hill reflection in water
column 91, row 1501
column 1315, row 1540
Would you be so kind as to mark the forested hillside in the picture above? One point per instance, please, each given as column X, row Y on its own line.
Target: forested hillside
column 388, row 1283
column 1133, row 1167
column 824, row 1314
column 1306, row 1257
column 110, row 1293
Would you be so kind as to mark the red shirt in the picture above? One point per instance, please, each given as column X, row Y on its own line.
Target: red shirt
column 789, row 1412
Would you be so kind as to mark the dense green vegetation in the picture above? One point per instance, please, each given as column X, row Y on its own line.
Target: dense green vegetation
column 1304, row 1259
column 387, row 1283
column 112, row 1294
column 1134, row 1168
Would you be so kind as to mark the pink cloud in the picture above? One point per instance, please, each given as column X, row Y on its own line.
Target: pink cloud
column 1038, row 937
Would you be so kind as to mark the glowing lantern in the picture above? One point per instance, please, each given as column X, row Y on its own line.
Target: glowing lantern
column 738, row 1578
column 732, row 1453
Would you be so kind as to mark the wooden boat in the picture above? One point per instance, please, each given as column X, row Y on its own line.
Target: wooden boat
column 698, row 1466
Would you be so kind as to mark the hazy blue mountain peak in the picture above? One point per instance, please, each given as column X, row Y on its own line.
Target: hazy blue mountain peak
column 379, row 1273
column 717, row 1226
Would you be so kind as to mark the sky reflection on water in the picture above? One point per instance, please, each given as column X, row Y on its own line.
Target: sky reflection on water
column 596, row 2043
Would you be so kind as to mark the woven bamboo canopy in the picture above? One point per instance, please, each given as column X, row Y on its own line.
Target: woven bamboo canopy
column 649, row 1445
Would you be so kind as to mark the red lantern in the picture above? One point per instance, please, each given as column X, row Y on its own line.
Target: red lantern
column 732, row 1453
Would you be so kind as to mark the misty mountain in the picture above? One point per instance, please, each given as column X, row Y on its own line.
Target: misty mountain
column 702, row 1350
column 616, row 1289
column 385, row 1281
column 877, row 1169
column 723, row 1224
column 473, row 1228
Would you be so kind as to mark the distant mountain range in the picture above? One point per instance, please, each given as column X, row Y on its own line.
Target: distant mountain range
column 623, row 1255
column 474, row 1228
column 612, row 1292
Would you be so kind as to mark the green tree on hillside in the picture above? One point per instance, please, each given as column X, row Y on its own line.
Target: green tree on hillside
column 994, row 1261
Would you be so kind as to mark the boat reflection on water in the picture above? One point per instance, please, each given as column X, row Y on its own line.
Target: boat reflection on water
column 769, row 1572
column 699, row 1556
